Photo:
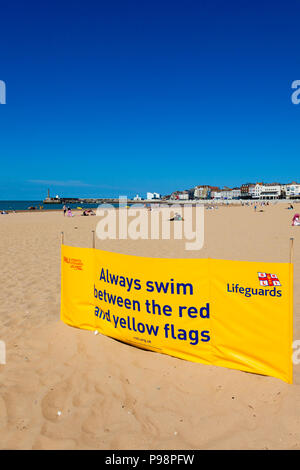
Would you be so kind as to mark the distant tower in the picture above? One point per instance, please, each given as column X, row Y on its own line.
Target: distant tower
column 48, row 193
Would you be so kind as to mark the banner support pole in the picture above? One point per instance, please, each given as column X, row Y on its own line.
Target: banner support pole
column 62, row 238
column 291, row 249
column 93, row 232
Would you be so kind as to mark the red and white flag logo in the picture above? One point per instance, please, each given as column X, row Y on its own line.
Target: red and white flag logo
column 267, row 279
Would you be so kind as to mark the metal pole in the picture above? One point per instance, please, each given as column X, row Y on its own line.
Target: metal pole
column 291, row 249
column 62, row 238
column 93, row 232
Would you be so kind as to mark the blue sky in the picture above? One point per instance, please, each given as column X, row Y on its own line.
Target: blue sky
column 124, row 97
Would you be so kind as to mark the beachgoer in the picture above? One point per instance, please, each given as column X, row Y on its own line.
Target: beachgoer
column 65, row 210
column 176, row 217
column 296, row 220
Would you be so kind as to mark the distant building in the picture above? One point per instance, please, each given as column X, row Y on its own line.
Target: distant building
column 269, row 191
column 180, row 195
column 153, row 196
column 292, row 190
column 222, row 194
column 226, row 193
column 214, row 191
column 236, row 193
column 258, row 188
column 283, row 190
column 183, row 195
column 191, row 193
column 260, row 191
column 247, row 190
column 137, row 198
column 202, row 192
column 216, row 194
column 51, row 200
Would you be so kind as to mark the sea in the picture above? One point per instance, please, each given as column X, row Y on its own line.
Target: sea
column 39, row 205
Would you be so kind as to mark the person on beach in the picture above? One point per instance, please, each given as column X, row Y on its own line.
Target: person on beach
column 88, row 212
column 64, row 209
column 176, row 217
column 69, row 212
column 296, row 220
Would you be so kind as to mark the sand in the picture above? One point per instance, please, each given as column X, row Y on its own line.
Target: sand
column 64, row 388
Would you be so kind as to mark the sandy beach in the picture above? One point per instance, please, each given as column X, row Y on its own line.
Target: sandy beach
column 64, row 388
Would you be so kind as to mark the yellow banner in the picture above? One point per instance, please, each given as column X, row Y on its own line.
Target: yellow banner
column 235, row 314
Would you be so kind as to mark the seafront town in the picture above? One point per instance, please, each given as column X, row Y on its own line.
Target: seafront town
column 255, row 191
column 261, row 191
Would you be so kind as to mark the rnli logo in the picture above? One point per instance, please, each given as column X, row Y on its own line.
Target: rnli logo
column 267, row 279
column 74, row 263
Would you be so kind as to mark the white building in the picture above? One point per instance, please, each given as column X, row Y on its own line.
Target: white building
column 236, row 193
column 183, row 195
column 137, row 198
column 256, row 190
column 292, row 190
column 216, row 195
column 153, row 196
column 202, row 192
column 266, row 191
column 270, row 191
column 226, row 193
column 214, row 190
column 223, row 194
